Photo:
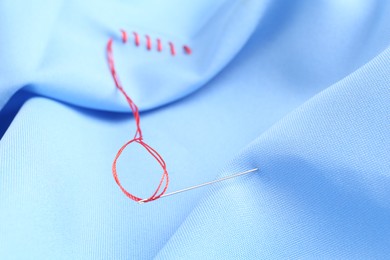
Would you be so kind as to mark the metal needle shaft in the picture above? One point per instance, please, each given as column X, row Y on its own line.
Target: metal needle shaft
column 203, row 184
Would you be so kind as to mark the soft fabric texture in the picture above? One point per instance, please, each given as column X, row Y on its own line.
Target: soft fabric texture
column 300, row 90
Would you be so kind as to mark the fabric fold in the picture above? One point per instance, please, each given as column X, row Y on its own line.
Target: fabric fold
column 323, row 186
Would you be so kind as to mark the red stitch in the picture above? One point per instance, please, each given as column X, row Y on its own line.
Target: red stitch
column 124, row 36
column 148, row 42
column 136, row 38
column 159, row 45
column 187, row 49
column 172, row 48
column 137, row 137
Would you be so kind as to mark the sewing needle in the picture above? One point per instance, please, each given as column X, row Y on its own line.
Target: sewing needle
column 203, row 184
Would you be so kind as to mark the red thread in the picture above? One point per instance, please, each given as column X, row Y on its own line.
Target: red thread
column 172, row 48
column 159, row 45
column 138, row 138
column 136, row 38
column 148, row 42
column 124, row 36
column 187, row 49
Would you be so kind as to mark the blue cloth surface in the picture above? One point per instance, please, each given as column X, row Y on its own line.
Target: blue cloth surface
column 298, row 89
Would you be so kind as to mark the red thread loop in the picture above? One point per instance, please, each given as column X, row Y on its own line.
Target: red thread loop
column 159, row 45
column 187, row 49
column 138, row 138
column 136, row 38
column 148, row 42
column 124, row 36
column 172, row 48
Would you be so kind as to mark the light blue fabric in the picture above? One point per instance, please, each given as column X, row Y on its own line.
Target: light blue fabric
column 303, row 85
